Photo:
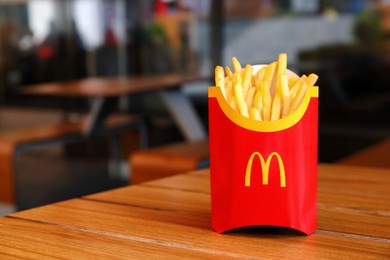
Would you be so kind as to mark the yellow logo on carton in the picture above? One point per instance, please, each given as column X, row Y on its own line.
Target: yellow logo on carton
column 265, row 164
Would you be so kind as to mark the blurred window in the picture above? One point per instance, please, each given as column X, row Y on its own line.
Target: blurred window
column 40, row 13
column 90, row 26
column 51, row 40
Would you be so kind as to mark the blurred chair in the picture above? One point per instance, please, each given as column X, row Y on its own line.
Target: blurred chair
column 164, row 161
column 63, row 132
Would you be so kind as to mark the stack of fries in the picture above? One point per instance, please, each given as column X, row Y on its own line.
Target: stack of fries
column 271, row 94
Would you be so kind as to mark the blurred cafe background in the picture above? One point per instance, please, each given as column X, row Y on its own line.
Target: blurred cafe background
column 346, row 43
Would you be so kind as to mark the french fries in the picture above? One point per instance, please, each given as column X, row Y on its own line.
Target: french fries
column 273, row 93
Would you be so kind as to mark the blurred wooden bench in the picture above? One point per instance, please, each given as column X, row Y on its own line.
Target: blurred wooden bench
column 168, row 160
column 18, row 140
column 377, row 155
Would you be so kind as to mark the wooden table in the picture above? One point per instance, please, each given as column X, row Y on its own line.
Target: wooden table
column 104, row 91
column 170, row 219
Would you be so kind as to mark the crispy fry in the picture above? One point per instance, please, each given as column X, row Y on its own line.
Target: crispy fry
column 298, row 98
column 253, row 81
column 219, row 76
column 241, row 106
column 267, row 100
column 297, row 85
column 236, row 65
column 261, row 74
column 285, row 95
column 229, row 90
column 282, row 63
column 255, row 114
column 292, row 81
column 258, row 100
column 281, row 70
column 311, row 80
column 250, row 96
column 270, row 72
column 233, row 104
column 266, row 113
column 283, row 85
column 270, row 77
column 275, row 110
column 246, row 78
column 239, row 96
column 229, row 72
column 220, row 79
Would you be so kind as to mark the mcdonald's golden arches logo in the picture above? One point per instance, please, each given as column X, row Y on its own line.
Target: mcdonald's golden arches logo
column 265, row 164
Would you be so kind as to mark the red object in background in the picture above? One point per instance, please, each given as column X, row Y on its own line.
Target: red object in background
column 160, row 8
column 45, row 52
column 110, row 38
column 263, row 177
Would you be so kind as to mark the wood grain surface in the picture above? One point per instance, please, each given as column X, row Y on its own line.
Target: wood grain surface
column 170, row 218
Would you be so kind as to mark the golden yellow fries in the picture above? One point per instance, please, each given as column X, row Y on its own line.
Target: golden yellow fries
column 271, row 94
column 220, row 79
column 239, row 96
column 236, row 65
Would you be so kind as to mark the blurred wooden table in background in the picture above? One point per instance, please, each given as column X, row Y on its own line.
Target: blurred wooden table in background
column 105, row 91
column 170, row 219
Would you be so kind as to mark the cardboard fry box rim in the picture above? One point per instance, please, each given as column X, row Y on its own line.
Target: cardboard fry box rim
column 264, row 126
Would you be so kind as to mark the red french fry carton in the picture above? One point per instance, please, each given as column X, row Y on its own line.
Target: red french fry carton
column 263, row 172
